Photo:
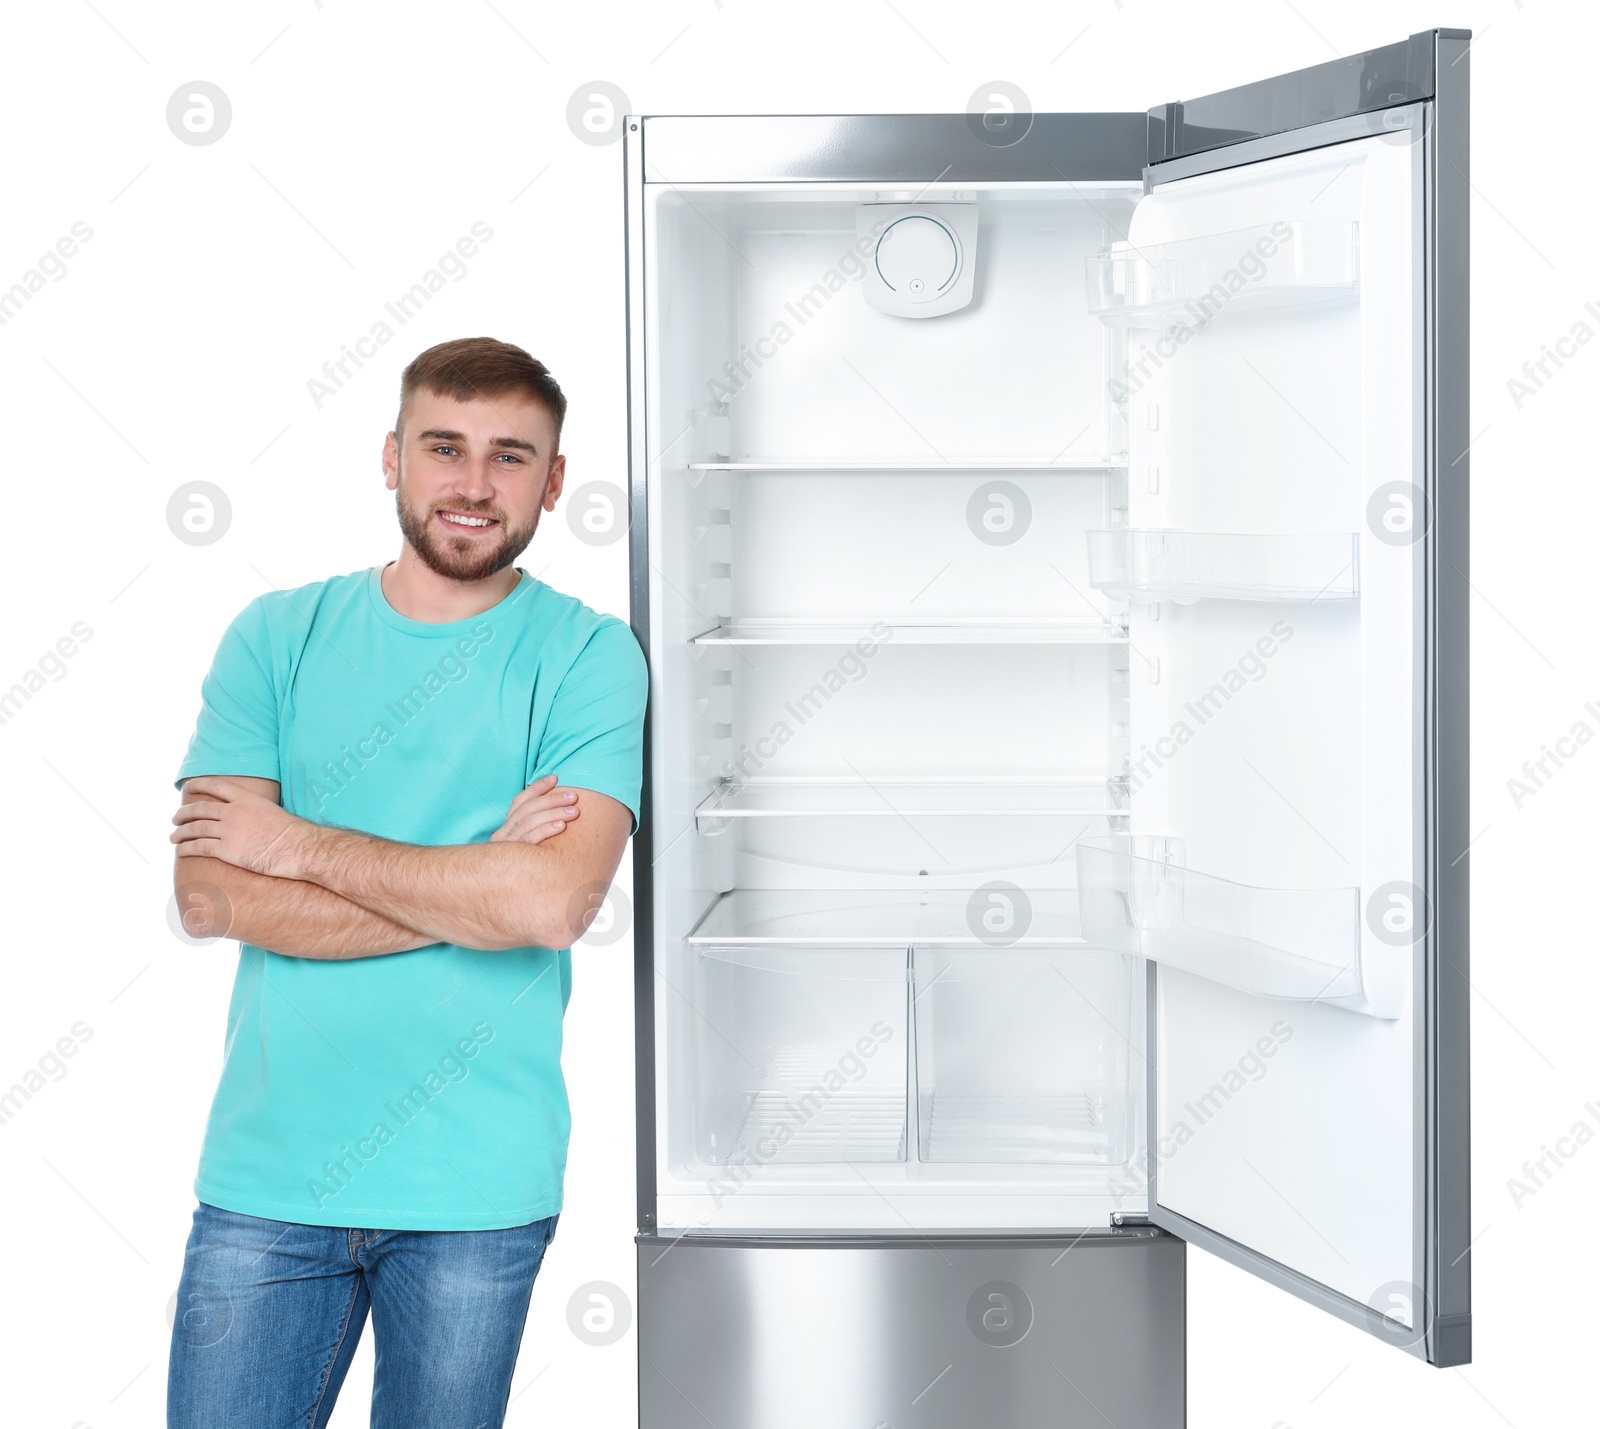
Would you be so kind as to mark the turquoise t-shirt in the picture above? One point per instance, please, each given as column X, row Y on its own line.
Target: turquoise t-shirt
column 418, row 1090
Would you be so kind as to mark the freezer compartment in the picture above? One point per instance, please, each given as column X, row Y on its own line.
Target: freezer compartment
column 914, row 1331
column 1300, row 944
column 1186, row 566
column 1189, row 281
column 1023, row 1055
column 799, row 1055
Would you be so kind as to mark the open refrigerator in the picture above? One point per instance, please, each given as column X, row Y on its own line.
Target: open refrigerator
column 1049, row 542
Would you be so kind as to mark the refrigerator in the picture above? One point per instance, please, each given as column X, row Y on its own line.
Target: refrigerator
column 1049, row 542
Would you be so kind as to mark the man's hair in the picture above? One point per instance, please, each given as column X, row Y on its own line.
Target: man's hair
column 470, row 367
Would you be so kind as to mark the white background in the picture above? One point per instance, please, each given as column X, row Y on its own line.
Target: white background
column 365, row 140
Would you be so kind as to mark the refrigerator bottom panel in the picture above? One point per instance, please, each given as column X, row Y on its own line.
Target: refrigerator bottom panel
column 941, row 1332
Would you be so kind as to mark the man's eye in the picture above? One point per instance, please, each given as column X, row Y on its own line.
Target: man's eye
column 446, row 450
column 512, row 456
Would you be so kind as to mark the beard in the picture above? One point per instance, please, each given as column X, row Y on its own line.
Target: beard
column 461, row 558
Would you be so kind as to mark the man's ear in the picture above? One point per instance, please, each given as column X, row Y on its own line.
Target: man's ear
column 391, row 461
column 552, row 485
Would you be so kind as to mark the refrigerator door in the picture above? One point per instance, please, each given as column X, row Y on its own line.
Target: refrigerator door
column 1294, row 294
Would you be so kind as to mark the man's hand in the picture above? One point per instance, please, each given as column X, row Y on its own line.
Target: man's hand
column 539, row 812
column 222, row 819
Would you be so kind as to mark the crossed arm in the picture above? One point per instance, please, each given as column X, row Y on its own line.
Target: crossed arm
column 247, row 869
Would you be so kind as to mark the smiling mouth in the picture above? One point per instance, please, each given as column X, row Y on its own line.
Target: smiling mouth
column 465, row 523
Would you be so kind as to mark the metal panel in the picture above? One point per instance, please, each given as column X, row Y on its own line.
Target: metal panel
column 890, row 148
column 1356, row 84
column 943, row 1332
column 644, row 1021
column 1448, row 1277
column 1441, row 1083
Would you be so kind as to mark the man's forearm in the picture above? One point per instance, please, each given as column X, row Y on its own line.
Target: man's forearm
column 288, row 916
column 489, row 895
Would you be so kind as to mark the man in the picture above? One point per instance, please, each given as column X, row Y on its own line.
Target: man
column 371, row 806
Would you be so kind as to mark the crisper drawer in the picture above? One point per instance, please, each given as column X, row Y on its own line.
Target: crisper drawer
column 1025, row 1055
column 799, row 1055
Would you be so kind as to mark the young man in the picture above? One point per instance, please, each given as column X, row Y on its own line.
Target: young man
column 407, row 792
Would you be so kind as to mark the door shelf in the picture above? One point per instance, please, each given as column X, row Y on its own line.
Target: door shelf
column 893, row 632
column 1292, row 943
column 1186, row 566
column 898, row 797
column 885, row 918
column 872, row 466
column 1190, row 282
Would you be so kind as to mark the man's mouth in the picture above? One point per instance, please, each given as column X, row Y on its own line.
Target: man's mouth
column 465, row 523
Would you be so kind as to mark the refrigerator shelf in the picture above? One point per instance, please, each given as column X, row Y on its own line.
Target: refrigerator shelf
column 1300, row 944
column 880, row 918
column 1190, row 282
column 898, row 797
column 988, row 1129
column 959, row 466
column 780, row 1128
column 1185, row 566
column 885, row 632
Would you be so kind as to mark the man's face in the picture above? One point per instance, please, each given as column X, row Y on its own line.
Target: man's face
column 470, row 479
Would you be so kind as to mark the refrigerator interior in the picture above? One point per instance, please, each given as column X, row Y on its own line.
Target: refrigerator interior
column 928, row 601
column 882, row 682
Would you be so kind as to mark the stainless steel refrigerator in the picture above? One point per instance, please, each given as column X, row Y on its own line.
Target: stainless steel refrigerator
column 1049, row 540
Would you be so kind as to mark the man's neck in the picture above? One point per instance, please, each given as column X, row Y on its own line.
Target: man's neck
column 420, row 593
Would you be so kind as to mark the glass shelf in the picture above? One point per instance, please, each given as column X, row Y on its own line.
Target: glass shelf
column 892, row 632
column 959, row 466
column 1294, row 943
column 908, row 798
column 1190, row 282
column 1186, row 566
column 877, row 918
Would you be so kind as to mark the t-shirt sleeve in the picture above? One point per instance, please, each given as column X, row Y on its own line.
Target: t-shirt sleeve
column 594, row 738
column 237, row 729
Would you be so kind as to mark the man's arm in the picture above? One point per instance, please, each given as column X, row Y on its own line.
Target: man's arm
column 493, row 896
column 303, row 920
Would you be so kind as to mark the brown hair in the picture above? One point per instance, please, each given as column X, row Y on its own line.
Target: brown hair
column 470, row 367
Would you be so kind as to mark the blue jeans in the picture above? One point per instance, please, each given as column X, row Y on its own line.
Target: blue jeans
column 269, row 1314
